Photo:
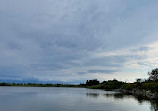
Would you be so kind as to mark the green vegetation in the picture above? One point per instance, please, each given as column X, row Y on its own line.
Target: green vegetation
column 150, row 84
column 108, row 85
column 92, row 82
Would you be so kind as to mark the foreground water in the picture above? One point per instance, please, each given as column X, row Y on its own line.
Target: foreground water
column 69, row 99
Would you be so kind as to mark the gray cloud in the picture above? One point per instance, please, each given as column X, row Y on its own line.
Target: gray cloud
column 103, row 71
column 141, row 49
column 81, row 73
column 38, row 36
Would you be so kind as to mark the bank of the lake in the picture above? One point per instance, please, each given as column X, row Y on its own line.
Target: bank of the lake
column 148, row 89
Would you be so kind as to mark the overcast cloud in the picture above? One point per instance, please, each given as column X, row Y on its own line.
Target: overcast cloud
column 71, row 40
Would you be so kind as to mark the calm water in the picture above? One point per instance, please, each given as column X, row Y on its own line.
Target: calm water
column 68, row 99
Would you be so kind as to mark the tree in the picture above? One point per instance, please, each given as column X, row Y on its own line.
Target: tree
column 139, row 80
column 153, row 75
column 92, row 82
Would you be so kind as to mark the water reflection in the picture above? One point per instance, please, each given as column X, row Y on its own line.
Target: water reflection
column 70, row 99
column 93, row 95
column 116, row 96
column 140, row 99
column 119, row 96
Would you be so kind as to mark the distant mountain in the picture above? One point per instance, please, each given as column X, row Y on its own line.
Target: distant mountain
column 32, row 81
column 43, row 82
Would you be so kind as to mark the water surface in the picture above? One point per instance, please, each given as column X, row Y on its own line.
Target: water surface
column 69, row 99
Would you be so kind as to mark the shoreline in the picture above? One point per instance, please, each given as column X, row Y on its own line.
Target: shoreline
column 146, row 94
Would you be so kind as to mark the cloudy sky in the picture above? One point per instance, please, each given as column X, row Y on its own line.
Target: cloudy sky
column 76, row 40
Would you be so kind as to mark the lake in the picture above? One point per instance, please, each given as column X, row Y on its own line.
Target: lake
column 69, row 99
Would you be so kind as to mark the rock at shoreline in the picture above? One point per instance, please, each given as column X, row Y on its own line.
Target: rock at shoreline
column 137, row 92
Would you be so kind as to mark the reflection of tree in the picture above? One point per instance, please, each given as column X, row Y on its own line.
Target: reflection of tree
column 94, row 95
column 154, row 105
column 117, row 96
column 140, row 99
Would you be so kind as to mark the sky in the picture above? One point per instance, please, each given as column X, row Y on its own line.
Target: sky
column 76, row 40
